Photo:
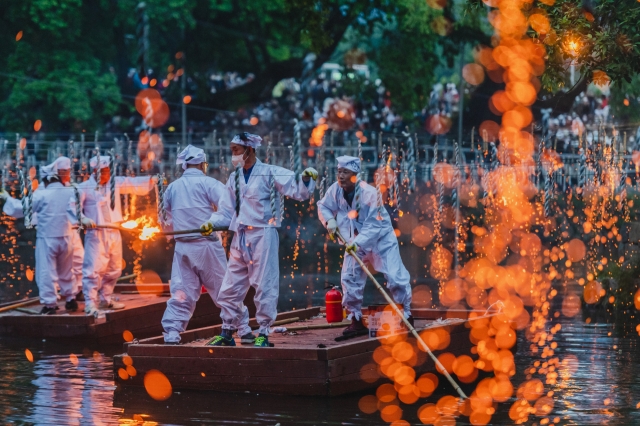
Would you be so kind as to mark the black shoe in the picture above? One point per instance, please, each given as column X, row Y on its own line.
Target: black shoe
column 80, row 297
column 48, row 311
column 411, row 321
column 71, row 305
column 356, row 327
column 248, row 339
column 171, row 343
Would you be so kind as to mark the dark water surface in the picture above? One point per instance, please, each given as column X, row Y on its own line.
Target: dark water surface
column 58, row 389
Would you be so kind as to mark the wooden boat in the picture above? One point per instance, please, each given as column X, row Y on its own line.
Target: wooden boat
column 145, row 305
column 309, row 362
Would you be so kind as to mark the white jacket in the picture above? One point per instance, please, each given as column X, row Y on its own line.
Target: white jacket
column 49, row 211
column 365, row 225
column 96, row 203
column 255, row 197
column 190, row 201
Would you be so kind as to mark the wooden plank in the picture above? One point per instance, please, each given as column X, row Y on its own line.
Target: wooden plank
column 237, row 352
column 209, row 332
column 236, row 366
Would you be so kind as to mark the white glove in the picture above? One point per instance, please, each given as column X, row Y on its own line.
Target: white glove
column 4, row 195
column 206, row 229
column 88, row 223
column 332, row 226
column 310, row 172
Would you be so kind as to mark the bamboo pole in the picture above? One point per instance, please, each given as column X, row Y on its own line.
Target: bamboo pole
column 280, row 322
column 407, row 324
column 19, row 304
column 192, row 231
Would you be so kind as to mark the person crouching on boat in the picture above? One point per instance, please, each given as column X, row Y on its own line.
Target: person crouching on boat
column 351, row 206
column 54, row 239
column 198, row 260
column 102, row 264
column 253, row 193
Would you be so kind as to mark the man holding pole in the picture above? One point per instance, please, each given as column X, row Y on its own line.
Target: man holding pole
column 253, row 193
column 352, row 207
column 198, row 260
column 100, row 204
column 54, row 238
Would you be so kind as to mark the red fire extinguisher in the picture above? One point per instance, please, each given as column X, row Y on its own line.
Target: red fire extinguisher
column 333, row 301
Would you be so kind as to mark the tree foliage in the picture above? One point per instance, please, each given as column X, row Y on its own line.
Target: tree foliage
column 70, row 64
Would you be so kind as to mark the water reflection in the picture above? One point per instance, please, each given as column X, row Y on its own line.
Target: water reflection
column 600, row 389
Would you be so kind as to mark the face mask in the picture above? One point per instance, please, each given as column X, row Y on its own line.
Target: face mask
column 238, row 160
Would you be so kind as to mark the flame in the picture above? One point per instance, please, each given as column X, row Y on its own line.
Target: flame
column 148, row 232
column 130, row 224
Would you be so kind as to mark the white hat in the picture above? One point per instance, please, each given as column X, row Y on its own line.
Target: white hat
column 63, row 163
column 349, row 163
column 191, row 155
column 104, row 162
column 47, row 171
column 247, row 139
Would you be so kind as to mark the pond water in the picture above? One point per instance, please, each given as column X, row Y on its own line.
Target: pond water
column 71, row 383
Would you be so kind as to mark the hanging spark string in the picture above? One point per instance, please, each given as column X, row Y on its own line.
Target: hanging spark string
column 547, row 193
column 237, row 183
column 29, row 215
column 361, row 174
column 321, row 187
column 162, row 212
column 411, row 163
column 72, row 157
column 112, row 178
column 272, row 199
column 23, row 197
column 76, row 193
column 268, row 156
column 296, row 164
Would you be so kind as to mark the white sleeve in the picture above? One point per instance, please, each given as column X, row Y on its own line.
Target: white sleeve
column 13, row 207
column 328, row 206
column 287, row 185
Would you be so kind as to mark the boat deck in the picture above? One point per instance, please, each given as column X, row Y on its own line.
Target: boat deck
column 304, row 362
column 142, row 315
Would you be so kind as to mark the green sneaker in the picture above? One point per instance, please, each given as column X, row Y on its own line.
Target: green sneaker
column 222, row 340
column 262, row 341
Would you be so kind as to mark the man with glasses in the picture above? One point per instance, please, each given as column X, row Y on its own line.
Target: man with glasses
column 253, row 197
column 198, row 260
column 351, row 206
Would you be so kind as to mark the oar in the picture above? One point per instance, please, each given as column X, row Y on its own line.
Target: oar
column 191, row 231
column 404, row 320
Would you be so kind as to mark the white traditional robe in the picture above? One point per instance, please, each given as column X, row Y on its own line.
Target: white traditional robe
column 54, row 241
column 254, row 259
column 102, row 264
column 198, row 260
column 377, row 244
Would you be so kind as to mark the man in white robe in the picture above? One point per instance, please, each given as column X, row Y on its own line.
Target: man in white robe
column 198, row 260
column 253, row 192
column 353, row 207
column 102, row 265
column 54, row 239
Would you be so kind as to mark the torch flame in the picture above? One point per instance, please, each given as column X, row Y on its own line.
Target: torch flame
column 148, row 232
column 130, row 224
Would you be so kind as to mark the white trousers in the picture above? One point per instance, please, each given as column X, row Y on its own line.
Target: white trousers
column 54, row 260
column 102, row 264
column 196, row 263
column 78, row 258
column 384, row 258
column 253, row 262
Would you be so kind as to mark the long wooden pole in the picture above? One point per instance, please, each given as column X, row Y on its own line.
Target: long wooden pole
column 19, row 304
column 404, row 320
column 191, row 231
